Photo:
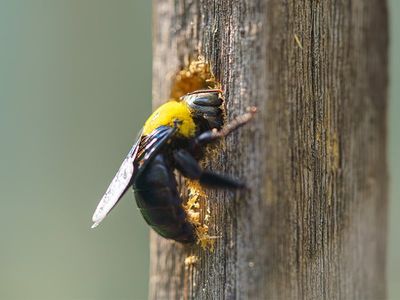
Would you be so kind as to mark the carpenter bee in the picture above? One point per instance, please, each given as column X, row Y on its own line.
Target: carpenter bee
column 173, row 138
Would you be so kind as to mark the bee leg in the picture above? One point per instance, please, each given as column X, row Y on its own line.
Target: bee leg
column 213, row 135
column 189, row 167
column 211, row 179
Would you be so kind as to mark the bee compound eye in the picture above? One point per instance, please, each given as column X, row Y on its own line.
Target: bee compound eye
column 207, row 99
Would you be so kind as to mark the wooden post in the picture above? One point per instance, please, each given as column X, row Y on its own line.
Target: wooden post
column 313, row 225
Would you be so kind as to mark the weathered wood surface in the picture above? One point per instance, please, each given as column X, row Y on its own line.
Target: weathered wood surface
column 313, row 225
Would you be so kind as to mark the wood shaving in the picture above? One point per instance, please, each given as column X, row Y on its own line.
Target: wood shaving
column 297, row 40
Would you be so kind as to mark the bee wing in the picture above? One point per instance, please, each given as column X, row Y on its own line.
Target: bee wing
column 151, row 145
column 117, row 187
column 141, row 153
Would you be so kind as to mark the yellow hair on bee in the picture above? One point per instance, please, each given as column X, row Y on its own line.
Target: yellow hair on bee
column 172, row 113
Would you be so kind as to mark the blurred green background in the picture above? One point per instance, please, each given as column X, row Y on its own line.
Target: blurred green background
column 75, row 86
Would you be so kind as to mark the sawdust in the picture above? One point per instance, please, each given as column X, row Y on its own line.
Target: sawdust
column 196, row 76
column 191, row 260
column 193, row 209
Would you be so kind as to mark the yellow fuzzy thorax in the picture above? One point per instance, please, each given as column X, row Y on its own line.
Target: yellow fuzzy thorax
column 167, row 115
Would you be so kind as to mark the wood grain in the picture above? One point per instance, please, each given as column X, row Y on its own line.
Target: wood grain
column 313, row 224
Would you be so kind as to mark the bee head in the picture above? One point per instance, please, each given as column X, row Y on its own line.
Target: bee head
column 206, row 108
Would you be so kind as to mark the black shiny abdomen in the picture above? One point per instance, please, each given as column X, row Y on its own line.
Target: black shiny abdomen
column 158, row 200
